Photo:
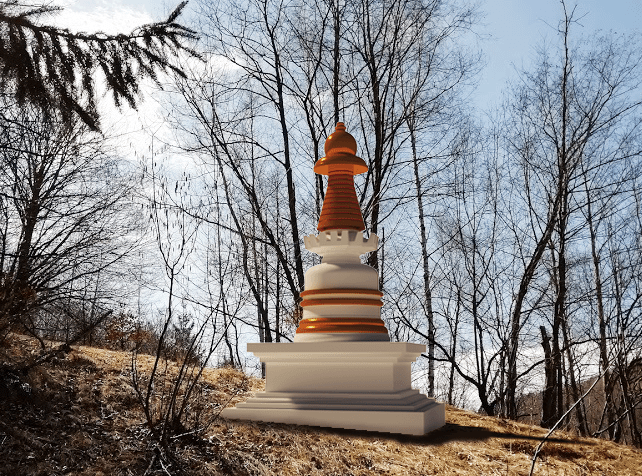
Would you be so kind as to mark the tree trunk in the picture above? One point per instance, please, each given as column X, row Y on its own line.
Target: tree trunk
column 287, row 163
column 336, row 59
column 426, row 266
column 609, row 409
column 548, row 396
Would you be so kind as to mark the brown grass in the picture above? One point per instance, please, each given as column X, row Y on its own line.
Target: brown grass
column 82, row 418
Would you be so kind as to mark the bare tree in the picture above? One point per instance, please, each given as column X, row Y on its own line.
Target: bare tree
column 577, row 101
column 63, row 196
column 169, row 390
column 394, row 44
column 272, row 89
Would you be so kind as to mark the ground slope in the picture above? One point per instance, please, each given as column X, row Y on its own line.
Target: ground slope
column 78, row 415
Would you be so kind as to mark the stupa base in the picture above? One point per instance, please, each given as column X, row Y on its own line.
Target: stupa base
column 350, row 385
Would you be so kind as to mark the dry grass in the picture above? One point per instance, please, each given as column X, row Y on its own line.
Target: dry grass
column 82, row 418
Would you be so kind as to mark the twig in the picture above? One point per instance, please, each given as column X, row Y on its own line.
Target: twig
column 228, row 401
column 151, row 465
column 541, row 444
column 160, row 460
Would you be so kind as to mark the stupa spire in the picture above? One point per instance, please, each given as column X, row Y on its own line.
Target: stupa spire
column 341, row 209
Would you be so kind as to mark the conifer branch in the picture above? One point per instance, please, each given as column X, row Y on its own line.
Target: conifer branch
column 55, row 68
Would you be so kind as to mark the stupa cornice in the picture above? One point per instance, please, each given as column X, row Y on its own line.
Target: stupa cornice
column 341, row 241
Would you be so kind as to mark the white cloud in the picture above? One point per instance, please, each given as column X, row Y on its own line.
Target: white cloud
column 93, row 16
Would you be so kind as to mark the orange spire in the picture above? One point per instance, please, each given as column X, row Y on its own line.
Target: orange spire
column 341, row 209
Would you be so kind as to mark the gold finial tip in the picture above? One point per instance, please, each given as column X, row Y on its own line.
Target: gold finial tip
column 340, row 150
column 340, row 142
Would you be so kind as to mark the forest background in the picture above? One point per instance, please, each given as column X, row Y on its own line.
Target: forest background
column 509, row 236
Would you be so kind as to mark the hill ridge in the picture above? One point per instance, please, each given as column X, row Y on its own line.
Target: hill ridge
column 79, row 415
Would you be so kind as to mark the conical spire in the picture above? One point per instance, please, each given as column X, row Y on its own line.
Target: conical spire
column 341, row 209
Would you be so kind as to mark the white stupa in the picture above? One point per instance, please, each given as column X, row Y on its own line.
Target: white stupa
column 341, row 371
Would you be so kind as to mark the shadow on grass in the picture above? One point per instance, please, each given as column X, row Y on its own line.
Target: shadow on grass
column 454, row 432
column 450, row 432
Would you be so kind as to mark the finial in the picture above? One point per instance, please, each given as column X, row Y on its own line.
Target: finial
column 340, row 142
column 340, row 150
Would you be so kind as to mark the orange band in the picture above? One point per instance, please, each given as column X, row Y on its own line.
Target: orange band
column 341, row 206
column 361, row 325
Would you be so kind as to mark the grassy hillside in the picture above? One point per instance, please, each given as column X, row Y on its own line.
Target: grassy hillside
column 78, row 415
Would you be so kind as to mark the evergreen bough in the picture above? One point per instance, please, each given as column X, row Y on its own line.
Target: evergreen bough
column 55, row 68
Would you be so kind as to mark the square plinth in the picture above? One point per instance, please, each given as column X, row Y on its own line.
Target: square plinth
column 351, row 385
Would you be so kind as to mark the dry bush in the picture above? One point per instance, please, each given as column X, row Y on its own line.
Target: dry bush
column 171, row 393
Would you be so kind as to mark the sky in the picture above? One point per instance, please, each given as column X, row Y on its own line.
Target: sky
column 509, row 30
column 516, row 27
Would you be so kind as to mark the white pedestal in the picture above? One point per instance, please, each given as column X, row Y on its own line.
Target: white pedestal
column 351, row 385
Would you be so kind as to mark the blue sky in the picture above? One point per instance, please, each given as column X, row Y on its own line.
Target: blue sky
column 516, row 27
column 511, row 28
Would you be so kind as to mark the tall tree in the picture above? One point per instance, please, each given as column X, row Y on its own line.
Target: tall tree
column 63, row 196
column 284, row 83
column 404, row 60
column 568, row 115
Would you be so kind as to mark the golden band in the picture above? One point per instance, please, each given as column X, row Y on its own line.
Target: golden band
column 341, row 209
column 342, row 324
